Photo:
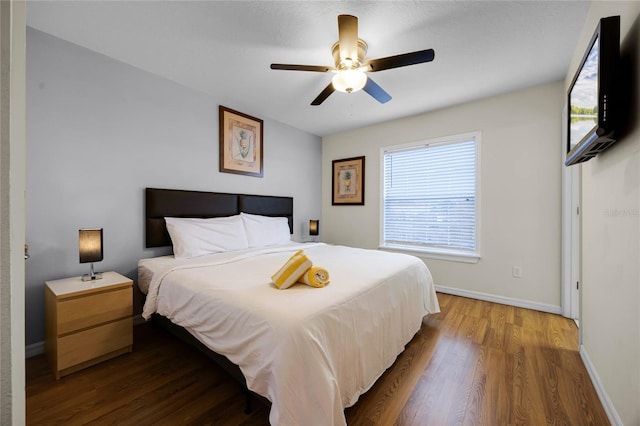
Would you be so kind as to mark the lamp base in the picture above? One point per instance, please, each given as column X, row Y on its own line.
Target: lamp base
column 89, row 277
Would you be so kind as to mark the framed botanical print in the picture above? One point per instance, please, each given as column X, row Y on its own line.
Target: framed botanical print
column 241, row 143
column 348, row 182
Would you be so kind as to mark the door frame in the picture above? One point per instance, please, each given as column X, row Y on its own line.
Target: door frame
column 12, row 210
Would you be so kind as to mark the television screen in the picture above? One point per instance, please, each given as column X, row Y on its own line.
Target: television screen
column 583, row 99
column 593, row 95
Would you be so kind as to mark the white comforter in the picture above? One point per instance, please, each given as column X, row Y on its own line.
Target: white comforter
column 310, row 351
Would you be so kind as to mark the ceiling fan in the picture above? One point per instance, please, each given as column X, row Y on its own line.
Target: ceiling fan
column 349, row 54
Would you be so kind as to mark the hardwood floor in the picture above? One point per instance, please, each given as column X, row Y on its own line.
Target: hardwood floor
column 475, row 363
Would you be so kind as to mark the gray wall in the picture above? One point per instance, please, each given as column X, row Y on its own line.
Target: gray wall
column 100, row 131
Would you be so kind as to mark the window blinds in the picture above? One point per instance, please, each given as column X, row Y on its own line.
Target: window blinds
column 429, row 196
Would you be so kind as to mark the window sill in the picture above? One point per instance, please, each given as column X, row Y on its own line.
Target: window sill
column 450, row 255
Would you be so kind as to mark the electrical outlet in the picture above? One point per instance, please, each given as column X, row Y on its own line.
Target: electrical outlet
column 516, row 271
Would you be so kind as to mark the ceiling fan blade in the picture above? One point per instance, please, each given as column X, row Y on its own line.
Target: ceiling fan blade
column 348, row 37
column 293, row 67
column 402, row 60
column 377, row 92
column 323, row 95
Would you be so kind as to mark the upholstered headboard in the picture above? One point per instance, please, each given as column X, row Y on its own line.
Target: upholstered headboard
column 161, row 203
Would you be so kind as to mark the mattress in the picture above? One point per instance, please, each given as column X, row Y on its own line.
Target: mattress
column 310, row 351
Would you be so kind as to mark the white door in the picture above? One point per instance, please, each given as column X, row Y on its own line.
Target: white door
column 570, row 233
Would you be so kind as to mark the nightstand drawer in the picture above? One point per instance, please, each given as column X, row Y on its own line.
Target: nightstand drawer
column 89, row 310
column 94, row 342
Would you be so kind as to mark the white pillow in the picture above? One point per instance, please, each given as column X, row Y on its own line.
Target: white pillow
column 265, row 231
column 197, row 237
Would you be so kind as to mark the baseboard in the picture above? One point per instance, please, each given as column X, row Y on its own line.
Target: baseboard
column 34, row 349
column 543, row 307
column 612, row 414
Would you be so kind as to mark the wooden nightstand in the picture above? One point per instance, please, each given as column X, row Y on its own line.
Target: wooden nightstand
column 87, row 322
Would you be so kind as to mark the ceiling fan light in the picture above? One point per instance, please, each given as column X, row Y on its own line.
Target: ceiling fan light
column 349, row 81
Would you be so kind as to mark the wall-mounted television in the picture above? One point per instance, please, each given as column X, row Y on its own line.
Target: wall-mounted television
column 592, row 97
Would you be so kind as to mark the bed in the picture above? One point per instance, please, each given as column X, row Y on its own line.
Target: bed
column 310, row 351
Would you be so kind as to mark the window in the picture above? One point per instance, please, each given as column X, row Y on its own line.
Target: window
column 430, row 199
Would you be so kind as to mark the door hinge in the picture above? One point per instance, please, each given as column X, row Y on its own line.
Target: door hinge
column 577, row 285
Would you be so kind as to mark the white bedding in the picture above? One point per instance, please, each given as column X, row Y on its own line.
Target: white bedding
column 310, row 351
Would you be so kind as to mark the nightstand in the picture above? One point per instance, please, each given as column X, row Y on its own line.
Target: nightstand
column 87, row 322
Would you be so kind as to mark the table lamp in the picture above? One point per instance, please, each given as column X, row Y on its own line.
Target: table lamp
column 314, row 227
column 90, row 247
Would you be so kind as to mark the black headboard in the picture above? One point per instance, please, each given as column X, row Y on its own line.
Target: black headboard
column 161, row 203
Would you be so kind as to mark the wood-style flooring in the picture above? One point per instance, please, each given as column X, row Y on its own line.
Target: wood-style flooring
column 475, row 363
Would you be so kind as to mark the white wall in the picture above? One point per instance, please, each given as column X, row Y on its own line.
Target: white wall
column 610, row 296
column 520, row 191
column 100, row 131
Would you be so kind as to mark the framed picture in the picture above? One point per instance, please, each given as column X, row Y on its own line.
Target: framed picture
column 240, row 143
column 348, row 182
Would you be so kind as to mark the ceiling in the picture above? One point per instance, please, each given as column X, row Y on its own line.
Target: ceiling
column 224, row 48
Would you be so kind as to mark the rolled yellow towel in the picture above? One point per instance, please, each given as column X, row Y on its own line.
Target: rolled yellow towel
column 315, row 277
column 292, row 270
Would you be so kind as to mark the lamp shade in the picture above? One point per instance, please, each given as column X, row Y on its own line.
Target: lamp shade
column 314, row 227
column 349, row 81
column 90, row 245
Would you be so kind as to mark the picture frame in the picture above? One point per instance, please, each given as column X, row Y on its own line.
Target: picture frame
column 241, row 143
column 347, row 182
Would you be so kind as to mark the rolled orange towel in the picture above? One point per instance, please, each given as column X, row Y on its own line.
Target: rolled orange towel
column 315, row 276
